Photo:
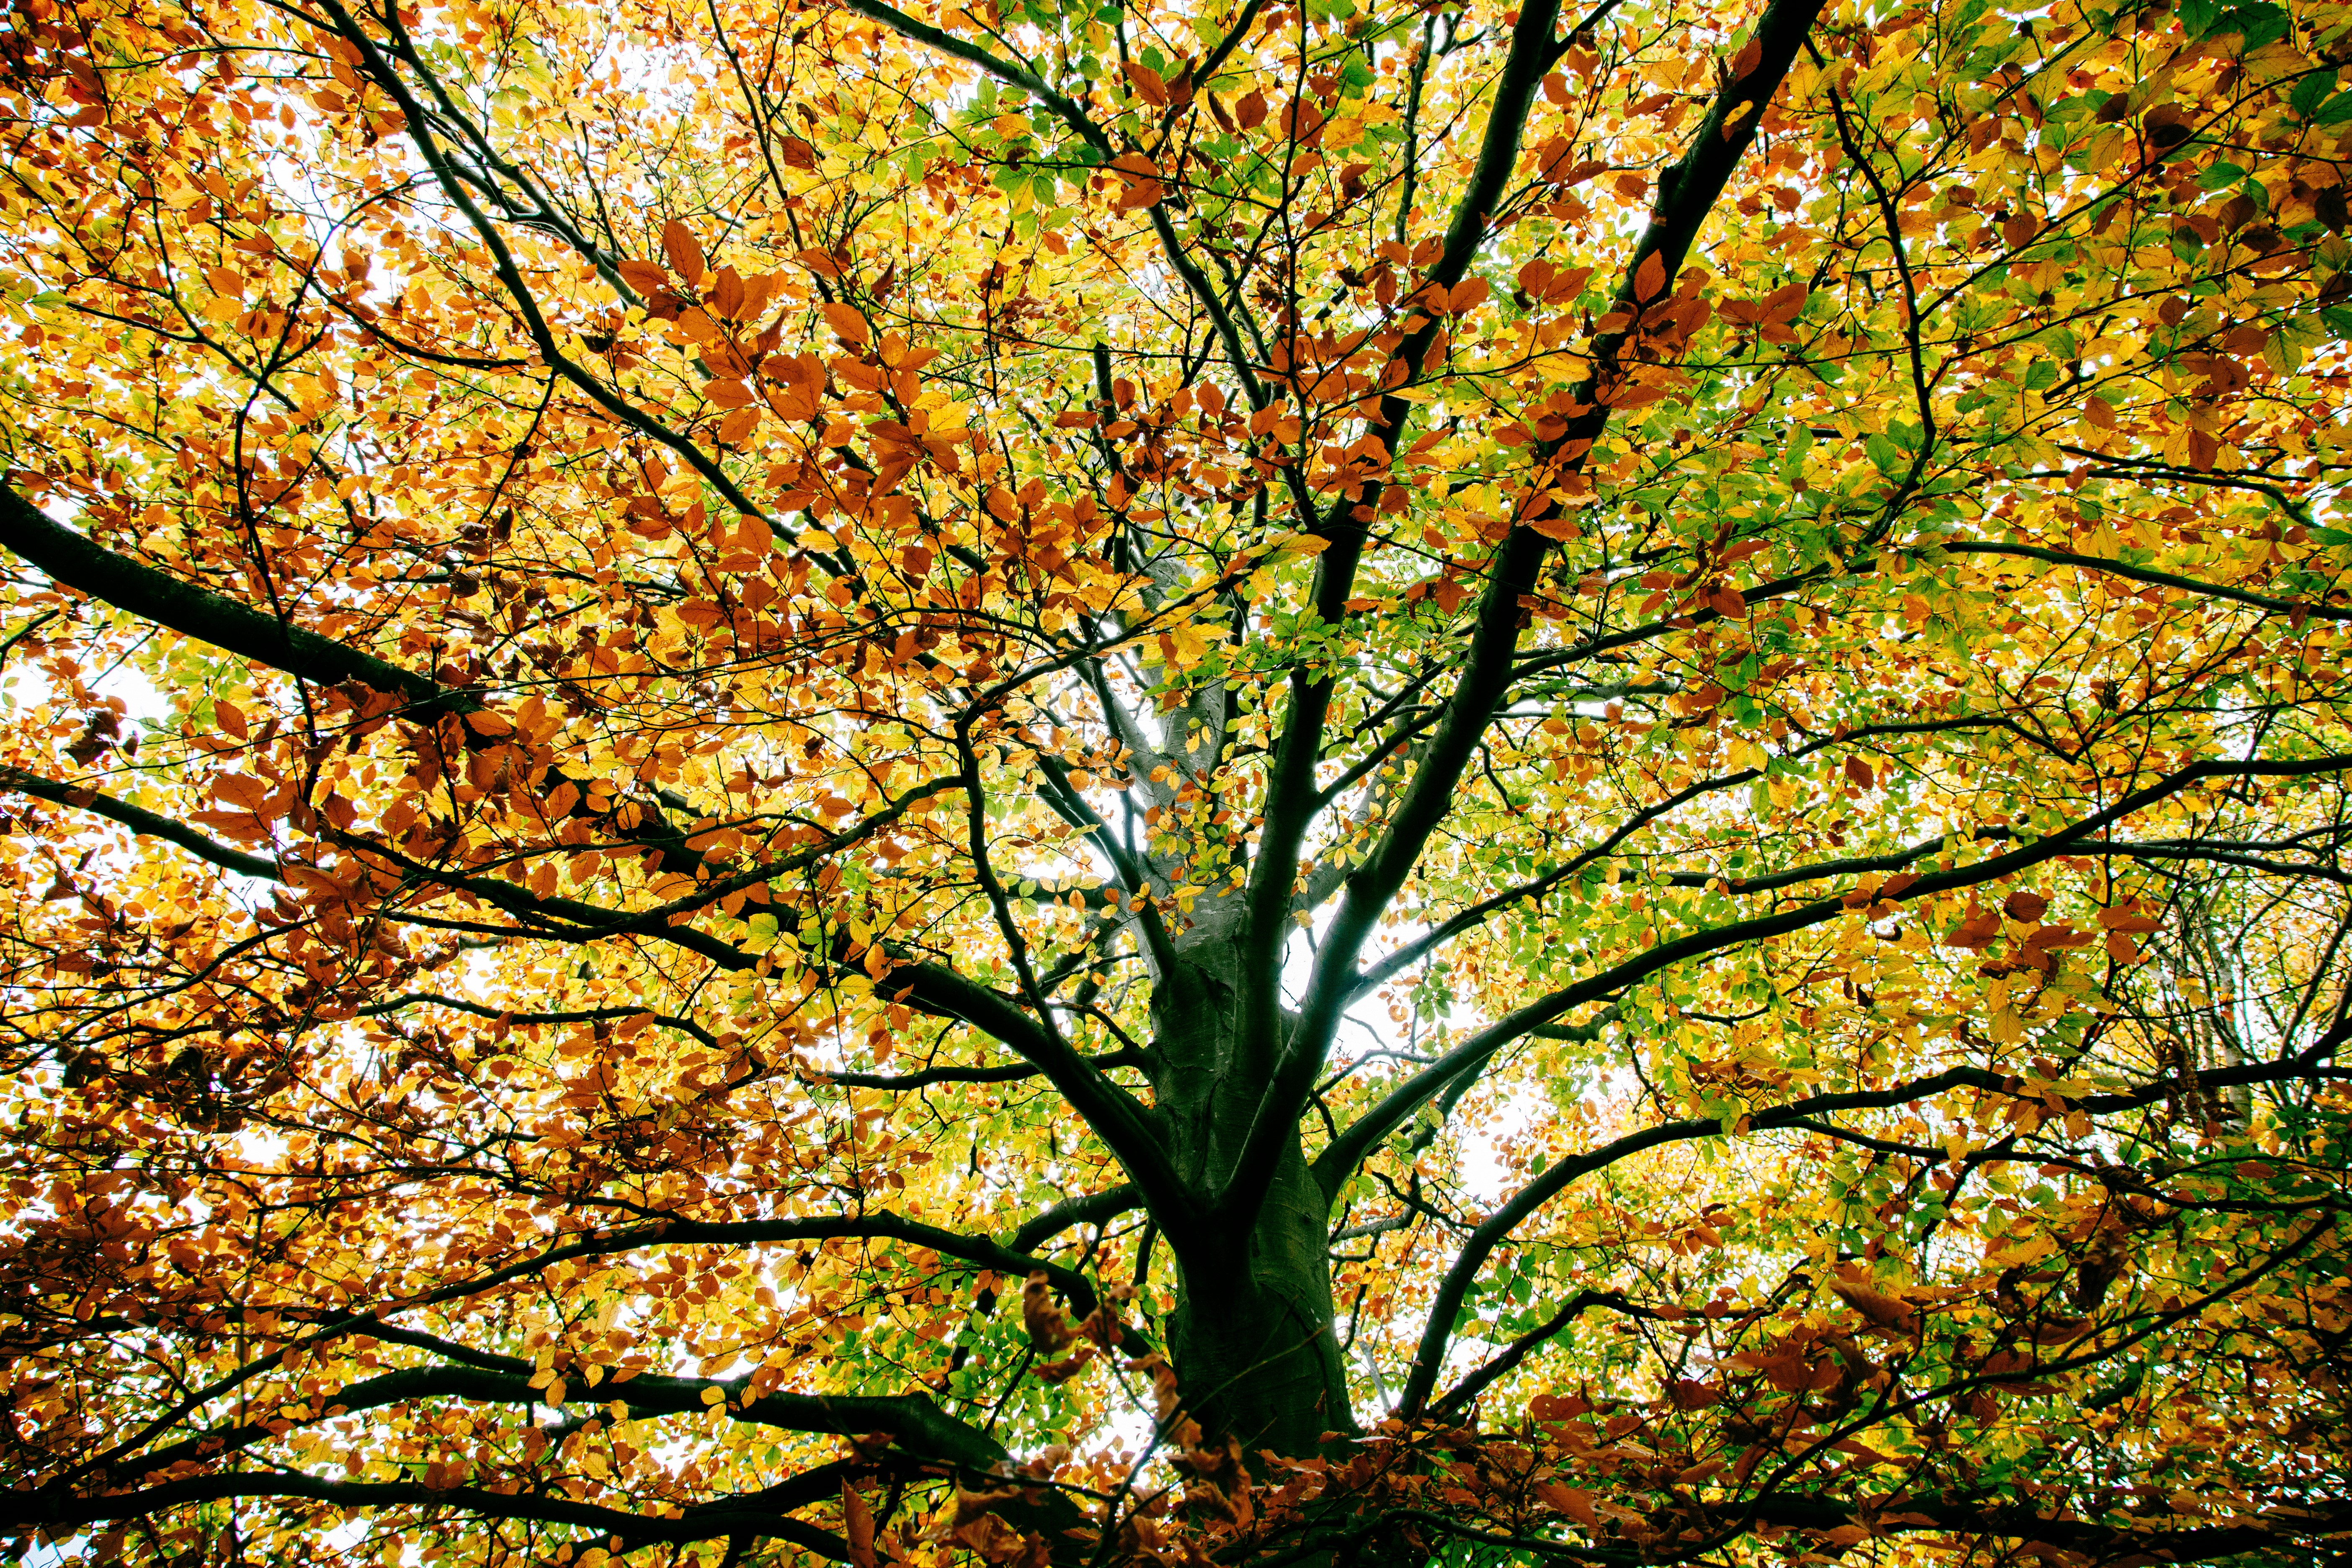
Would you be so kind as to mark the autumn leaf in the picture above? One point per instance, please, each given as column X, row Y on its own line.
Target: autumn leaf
column 684, row 253
column 2025, row 906
column 846, row 320
column 1140, row 181
column 857, row 1525
column 1573, row 1501
column 645, row 277
column 1149, row 86
column 1884, row 1311
column 1649, row 276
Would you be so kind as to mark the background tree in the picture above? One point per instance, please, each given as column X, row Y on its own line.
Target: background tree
column 1577, row 779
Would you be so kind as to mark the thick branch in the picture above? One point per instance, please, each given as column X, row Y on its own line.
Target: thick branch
column 68, row 558
column 725, row 1517
column 1688, row 195
column 1113, row 1113
column 1292, row 797
column 140, row 820
column 1085, row 1209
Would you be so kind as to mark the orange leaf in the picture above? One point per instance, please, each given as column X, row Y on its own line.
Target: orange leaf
column 1467, row 295
column 241, row 789
column 845, row 320
column 727, row 292
column 1650, row 278
column 685, row 255
column 795, row 401
column 2025, row 908
column 645, row 277
column 1150, row 85
column 857, row 1524
column 1884, row 1311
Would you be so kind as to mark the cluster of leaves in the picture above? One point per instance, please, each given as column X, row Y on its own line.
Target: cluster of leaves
column 1634, row 722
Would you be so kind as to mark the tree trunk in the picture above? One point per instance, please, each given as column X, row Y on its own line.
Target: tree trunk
column 1253, row 1335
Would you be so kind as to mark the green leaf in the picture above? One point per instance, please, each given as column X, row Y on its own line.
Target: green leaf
column 2256, row 25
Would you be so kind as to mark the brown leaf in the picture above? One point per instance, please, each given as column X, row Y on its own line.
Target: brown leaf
column 1573, row 1501
column 1649, row 276
column 1049, row 1327
column 1977, row 928
column 2025, row 908
column 685, row 255
column 727, row 293
column 1884, row 1312
column 846, row 320
column 857, row 1524
column 1687, row 1394
column 645, row 277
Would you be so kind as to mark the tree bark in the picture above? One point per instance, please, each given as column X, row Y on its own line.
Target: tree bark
column 1251, row 1337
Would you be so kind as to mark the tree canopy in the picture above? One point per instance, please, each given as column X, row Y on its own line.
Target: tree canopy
column 1248, row 784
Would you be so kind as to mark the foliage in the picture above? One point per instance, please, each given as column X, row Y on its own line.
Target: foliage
column 1301, row 781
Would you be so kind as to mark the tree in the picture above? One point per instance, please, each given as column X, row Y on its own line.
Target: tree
column 1578, row 781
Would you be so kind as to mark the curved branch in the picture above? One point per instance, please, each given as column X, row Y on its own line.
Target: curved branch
column 1340, row 1158
column 69, row 558
column 1083, row 1209
column 140, row 820
column 2145, row 575
column 1447, row 1306
column 42, row 1510
column 977, row 1250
